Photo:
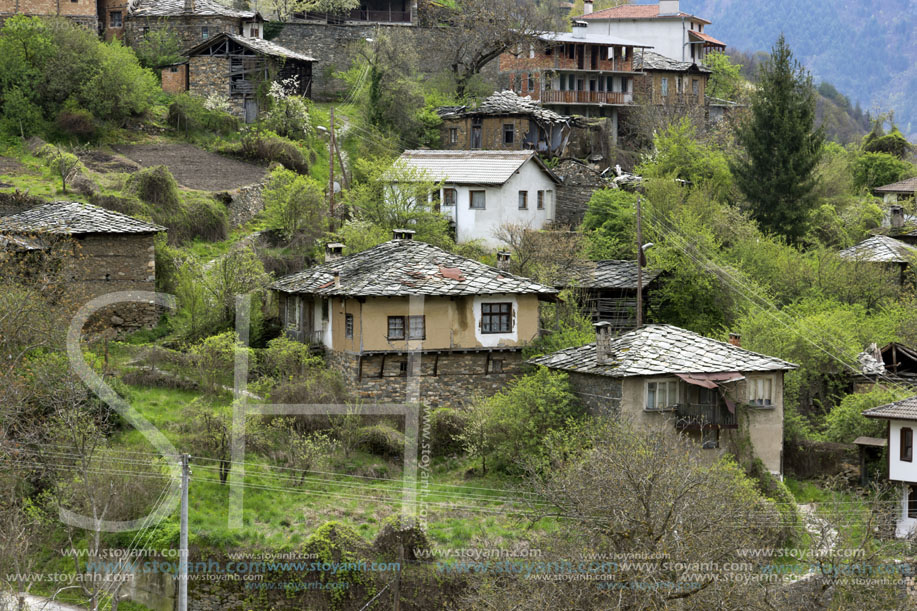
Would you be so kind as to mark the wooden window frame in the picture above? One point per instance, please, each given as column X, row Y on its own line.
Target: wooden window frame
column 523, row 200
column 348, row 326
column 450, row 196
column 906, row 444
column 664, row 87
column 509, row 133
column 471, row 205
column 111, row 19
column 423, row 327
column 762, row 402
column 453, row 135
column 404, row 331
column 495, row 366
column 540, row 204
column 501, row 316
column 205, row 32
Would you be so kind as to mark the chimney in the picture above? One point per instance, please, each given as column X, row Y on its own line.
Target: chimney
column 588, row 6
column 579, row 29
column 503, row 259
column 189, row 6
column 668, row 7
column 403, row 234
column 333, row 251
column 735, row 339
column 602, row 342
column 897, row 216
column 337, row 278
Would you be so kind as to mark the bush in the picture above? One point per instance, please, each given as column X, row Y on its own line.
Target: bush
column 294, row 204
column 121, row 88
column 77, row 123
column 285, row 358
column 158, row 48
column 396, row 532
column 201, row 217
column 846, row 421
column 155, row 186
column 446, row 428
column 189, row 114
column 269, row 147
column 381, row 440
column 130, row 206
column 871, row 170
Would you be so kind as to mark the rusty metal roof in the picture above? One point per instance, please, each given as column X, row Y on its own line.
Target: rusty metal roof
column 74, row 218
column 905, row 409
column 399, row 268
column 662, row 350
column 880, row 249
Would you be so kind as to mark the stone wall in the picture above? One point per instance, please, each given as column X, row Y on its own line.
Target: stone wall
column 245, row 204
column 579, row 183
column 81, row 11
column 175, row 78
column 491, row 133
column 208, row 76
column 188, row 28
column 600, row 394
column 444, row 380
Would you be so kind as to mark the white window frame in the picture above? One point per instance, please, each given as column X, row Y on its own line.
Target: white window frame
column 761, row 392
column 672, row 389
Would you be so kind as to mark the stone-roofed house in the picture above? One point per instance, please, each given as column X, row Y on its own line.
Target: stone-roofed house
column 669, row 81
column 607, row 291
column 671, row 380
column 406, row 309
column 193, row 21
column 903, row 189
column 232, row 66
column 505, row 121
column 902, row 469
column 883, row 250
column 484, row 190
column 102, row 251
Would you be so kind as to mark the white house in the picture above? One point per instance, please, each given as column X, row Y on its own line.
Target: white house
column 902, row 469
column 662, row 26
column 485, row 190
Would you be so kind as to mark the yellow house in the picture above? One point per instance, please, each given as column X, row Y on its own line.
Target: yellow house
column 406, row 309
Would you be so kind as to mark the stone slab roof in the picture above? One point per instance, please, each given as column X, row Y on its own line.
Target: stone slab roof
column 649, row 60
column 258, row 45
column 899, row 410
column 505, row 103
column 400, row 268
column 19, row 243
column 637, row 11
column 608, row 274
column 74, row 218
column 908, row 185
column 593, row 39
column 176, row 8
column 880, row 249
column 470, row 167
column 662, row 350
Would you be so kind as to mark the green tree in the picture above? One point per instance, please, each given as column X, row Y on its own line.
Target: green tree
column 871, row 170
column 679, row 153
column 781, row 146
column 610, row 225
column 159, row 47
column 294, row 205
column 725, row 81
column 845, row 422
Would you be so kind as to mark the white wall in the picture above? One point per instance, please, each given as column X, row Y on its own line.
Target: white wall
column 897, row 470
column 502, row 206
column 667, row 36
column 492, row 340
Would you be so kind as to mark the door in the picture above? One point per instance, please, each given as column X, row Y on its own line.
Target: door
column 594, row 63
column 475, row 136
column 580, row 56
column 251, row 110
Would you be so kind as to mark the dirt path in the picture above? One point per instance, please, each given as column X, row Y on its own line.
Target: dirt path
column 193, row 167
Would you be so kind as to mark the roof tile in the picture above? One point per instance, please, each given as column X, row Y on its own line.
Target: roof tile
column 74, row 218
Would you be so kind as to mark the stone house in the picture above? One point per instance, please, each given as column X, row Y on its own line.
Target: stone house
column 607, row 291
column 83, row 12
column 481, row 191
column 402, row 12
column 884, row 251
column 234, row 67
column 101, row 252
column 670, row 82
column 193, row 21
column 670, row 380
column 505, row 121
column 901, row 417
column 901, row 190
column 406, row 315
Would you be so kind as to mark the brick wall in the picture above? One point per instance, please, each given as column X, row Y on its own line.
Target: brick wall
column 448, row 379
column 175, row 78
column 83, row 12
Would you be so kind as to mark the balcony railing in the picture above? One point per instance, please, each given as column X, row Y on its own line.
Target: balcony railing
column 695, row 417
column 586, row 97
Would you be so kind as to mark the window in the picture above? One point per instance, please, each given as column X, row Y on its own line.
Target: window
column 760, row 392
column 396, row 327
column 453, row 135
column 523, row 200
column 205, row 32
column 678, row 85
column 664, row 87
column 496, row 317
column 509, row 133
column 531, row 51
column 661, row 394
column 540, row 200
column 325, row 304
column 907, row 445
column 695, row 86
column 476, row 135
column 496, row 366
column 114, row 19
column 294, row 312
column 478, row 201
column 531, row 82
column 402, row 368
column 348, row 326
column 449, row 197
column 173, row 68
column 417, row 328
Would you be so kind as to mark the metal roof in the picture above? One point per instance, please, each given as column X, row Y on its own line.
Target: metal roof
column 73, row 218
column 662, row 350
column 649, row 60
column 608, row 274
column 504, row 103
column 707, row 38
column 471, row 167
column 594, row 39
column 880, row 249
column 638, row 11
column 908, row 185
column 176, row 8
column 400, row 268
column 905, row 409
column 258, row 45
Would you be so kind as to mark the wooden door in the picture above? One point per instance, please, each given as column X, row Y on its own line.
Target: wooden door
column 251, row 110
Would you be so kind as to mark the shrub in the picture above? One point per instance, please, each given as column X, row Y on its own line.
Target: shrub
column 202, row 217
column 846, row 421
column 189, row 114
column 78, row 123
column 381, row 440
column 871, row 170
column 396, row 532
column 294, row 204
column 269, row 147
column 285, row 358
column 155, row 186
column 125, row 205
column 446, row 428
column 158, row 48
column 121, row 88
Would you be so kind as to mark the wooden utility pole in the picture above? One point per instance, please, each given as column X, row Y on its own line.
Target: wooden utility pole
column 639, row 266
column 331, row 173
column 183, row 537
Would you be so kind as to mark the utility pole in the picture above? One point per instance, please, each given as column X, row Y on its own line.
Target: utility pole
column 183, row 537
column 639, row 266
column 331, row 147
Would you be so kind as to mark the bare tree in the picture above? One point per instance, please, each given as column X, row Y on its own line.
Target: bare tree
column 546, row 256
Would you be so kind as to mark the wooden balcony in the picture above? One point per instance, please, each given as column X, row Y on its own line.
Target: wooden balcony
column 586, row 97
column 698, row 417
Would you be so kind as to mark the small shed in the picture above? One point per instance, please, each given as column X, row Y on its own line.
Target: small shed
column 870, row 449
column 608, row 291
column 234, row 66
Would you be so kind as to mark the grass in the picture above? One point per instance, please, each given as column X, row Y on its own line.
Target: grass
column 806, row 491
